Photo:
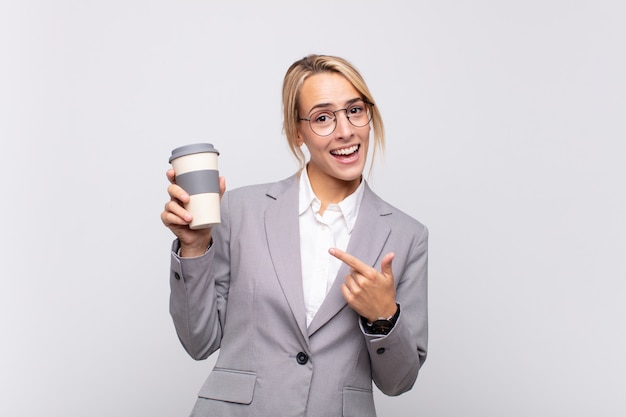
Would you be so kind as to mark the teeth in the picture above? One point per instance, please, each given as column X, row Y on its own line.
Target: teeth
column 346, row 151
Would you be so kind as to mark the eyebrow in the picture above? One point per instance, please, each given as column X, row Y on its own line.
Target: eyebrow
column 326, row 105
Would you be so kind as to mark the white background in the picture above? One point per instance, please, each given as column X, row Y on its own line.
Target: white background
column 506, row 136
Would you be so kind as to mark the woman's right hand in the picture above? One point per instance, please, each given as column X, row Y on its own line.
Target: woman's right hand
column 176, row 218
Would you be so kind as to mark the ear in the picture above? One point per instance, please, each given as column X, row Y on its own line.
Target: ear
column 300, row 139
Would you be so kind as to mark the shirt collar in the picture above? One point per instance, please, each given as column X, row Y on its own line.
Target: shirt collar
column 349, row 206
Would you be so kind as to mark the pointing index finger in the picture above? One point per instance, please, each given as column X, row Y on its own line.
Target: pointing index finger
column 348, row 259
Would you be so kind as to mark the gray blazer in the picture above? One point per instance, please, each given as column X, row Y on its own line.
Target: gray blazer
column 245, row 297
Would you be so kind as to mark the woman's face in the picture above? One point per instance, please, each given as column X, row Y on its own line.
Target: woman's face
column 339, row 157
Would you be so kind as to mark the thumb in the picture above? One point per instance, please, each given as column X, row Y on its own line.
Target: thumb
column 385, row 264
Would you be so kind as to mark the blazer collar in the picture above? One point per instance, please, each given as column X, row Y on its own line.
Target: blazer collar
column 282, row 226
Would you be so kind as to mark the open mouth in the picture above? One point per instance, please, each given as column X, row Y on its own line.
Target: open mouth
column 346, row 152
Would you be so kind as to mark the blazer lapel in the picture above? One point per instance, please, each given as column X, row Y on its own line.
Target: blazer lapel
column 283, row 238
column 366, row 243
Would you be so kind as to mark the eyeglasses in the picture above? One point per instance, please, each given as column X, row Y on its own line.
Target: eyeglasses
column 324, row 122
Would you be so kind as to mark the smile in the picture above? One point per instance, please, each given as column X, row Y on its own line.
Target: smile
column 345, row 151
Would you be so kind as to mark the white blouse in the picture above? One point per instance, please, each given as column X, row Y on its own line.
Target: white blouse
column 317, row 235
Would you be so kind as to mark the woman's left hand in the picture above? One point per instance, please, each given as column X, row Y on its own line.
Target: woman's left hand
column 371, row 293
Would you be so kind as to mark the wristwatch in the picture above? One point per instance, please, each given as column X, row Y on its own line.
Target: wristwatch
column 381, row 325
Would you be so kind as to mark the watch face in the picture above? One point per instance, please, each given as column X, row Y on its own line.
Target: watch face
column 382, row 326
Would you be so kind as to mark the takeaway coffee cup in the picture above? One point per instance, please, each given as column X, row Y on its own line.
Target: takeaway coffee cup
column 197, row 174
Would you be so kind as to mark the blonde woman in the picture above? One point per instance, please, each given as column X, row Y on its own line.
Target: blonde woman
column 311, row 287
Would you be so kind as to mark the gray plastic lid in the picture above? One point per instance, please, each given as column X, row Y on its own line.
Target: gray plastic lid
column 194, row 148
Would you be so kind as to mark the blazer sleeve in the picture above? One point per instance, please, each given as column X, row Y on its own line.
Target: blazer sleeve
column 397, row 357
column 199, row 294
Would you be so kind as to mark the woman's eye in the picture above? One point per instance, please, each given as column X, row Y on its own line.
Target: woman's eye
column 356, row 110
column 323, row 118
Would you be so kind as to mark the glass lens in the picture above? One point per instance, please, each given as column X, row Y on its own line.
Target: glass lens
column 323, row 122
column 358, row 114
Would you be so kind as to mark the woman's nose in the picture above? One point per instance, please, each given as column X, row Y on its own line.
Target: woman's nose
column 344, row 127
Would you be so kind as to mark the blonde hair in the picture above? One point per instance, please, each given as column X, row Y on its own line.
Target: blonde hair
column 292, row 85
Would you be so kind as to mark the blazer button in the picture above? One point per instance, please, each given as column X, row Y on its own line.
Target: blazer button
column 302, row 358
column 176, row 275
column 380, row 351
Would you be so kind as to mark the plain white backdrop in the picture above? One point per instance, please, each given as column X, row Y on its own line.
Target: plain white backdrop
column 506, row 135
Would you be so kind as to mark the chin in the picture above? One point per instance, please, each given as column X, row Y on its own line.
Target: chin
column 349, row 176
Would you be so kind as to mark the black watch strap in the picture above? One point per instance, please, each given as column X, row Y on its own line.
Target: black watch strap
column 381, row 325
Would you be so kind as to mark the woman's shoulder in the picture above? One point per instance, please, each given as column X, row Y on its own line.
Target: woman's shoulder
column 392, row 213
column 262, row 190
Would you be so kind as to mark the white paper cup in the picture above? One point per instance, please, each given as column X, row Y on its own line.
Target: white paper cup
column 196, row 173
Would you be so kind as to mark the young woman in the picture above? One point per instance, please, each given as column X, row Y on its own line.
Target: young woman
column 311, row 287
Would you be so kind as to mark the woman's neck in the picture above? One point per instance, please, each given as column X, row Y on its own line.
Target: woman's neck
column 330, row 190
